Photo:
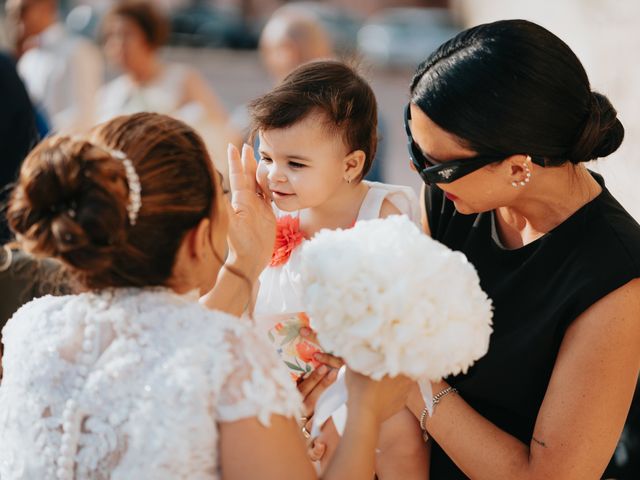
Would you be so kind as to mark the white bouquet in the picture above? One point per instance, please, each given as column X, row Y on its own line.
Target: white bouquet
column 390, row 300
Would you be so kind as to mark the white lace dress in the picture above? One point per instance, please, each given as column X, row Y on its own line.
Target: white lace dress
column 130, row 384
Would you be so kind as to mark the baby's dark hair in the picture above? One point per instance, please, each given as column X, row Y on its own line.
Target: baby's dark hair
column 330, row 87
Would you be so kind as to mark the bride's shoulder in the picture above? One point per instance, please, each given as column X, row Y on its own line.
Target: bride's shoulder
column 191, row 322
column 38, row 311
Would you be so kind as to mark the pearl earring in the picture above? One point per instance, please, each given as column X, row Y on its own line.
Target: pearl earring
column 527, row 176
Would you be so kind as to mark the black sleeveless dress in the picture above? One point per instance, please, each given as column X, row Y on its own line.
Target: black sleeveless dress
column 537, row 291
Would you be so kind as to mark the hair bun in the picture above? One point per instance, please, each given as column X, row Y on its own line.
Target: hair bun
column 70, row 203
column 602, row 133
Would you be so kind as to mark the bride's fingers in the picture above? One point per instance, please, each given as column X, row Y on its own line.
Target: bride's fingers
column 237, row 179
column 248, row 162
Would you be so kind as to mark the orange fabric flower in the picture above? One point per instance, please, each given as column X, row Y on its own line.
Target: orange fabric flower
column 288, row 237
column 305, row 351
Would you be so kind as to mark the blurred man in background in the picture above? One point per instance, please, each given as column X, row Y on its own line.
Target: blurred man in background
column 61, row 71
column 18, row 132
column 290, row 38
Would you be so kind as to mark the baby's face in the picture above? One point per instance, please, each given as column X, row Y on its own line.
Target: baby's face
column 302, row 166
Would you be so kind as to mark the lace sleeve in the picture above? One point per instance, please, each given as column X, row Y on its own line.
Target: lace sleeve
column 257, row 383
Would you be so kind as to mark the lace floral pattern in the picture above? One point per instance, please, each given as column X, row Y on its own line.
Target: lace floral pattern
column 164, row 371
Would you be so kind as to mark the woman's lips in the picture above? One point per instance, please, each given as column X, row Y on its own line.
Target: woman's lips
column 450, row 196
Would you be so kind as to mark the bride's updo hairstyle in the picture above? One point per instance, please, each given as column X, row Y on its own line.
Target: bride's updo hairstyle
column 73, row 199
column 513, row 87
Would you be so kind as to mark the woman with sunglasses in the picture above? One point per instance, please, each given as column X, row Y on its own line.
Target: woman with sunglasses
column 500, row 121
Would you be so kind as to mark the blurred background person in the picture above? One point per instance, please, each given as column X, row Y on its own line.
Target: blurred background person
column 134, row 32
column 18, row 133
column 61, row 71
column 22, row 278
column 292, row 36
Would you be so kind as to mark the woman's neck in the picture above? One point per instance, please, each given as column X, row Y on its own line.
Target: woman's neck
column 555, row 196
column 146, row 71
column 340, row 211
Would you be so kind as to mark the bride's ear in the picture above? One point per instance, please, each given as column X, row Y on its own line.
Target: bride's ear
column 199, row 240
column 353, row 165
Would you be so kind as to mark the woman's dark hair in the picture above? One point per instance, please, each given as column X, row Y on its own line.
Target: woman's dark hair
column 71, row 199
column 330, row 87
column 149, row 18
column 513, row 87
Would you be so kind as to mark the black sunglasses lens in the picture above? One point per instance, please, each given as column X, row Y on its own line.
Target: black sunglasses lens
column 415, row 157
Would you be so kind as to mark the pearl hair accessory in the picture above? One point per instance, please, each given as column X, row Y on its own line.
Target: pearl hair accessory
column 135, row 189
column 527, row 177
column 133, row 182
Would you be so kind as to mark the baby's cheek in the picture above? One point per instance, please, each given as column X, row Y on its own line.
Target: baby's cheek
column 261, row 175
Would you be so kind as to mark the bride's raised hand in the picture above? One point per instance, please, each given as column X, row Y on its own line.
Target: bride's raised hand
column 252, row 223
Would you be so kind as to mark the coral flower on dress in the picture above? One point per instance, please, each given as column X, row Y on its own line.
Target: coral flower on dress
column 288, row 237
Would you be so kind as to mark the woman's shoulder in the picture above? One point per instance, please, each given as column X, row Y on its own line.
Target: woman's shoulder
column 180, row 313
column 612, row 234
column 625, row 226
column 35, row 322
column 179, row 75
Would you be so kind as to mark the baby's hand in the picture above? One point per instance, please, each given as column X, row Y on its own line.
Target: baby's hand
column 322, row 448
column 314, row 385
column 324, row 358
column 328, row 359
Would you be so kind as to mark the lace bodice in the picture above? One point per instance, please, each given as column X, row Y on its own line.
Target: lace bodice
column 130, row 384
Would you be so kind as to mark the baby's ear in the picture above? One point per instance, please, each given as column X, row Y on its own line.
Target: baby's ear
column 353, row 165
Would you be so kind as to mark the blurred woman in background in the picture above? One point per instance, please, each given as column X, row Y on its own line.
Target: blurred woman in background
column 134, row 32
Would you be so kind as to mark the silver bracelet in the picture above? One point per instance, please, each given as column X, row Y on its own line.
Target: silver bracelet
column 435, row 401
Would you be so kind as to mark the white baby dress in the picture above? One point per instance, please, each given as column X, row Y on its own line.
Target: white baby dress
column 279, row 309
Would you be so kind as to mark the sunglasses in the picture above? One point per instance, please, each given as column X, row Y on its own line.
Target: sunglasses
column 433, row 171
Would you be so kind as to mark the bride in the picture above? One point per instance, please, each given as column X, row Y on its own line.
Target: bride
column 133, row 378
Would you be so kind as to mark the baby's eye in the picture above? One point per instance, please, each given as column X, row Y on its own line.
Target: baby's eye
column 265, row 159
column 297, row 165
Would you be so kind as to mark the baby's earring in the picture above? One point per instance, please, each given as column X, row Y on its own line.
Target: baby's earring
column 348, row 180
